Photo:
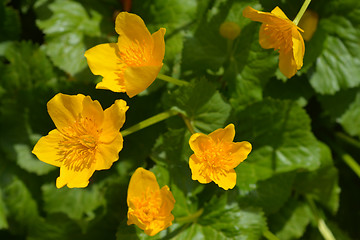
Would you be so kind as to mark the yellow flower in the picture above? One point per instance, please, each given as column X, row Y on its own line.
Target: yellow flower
column 216, row 155
column 229, row 30
column 309, row 23
column 278, row 32
column 149, row 206
column 131, row 64
column 87, row 138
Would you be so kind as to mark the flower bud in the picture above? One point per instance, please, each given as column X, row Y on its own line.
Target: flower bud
column 309, row 23
column 229, row 30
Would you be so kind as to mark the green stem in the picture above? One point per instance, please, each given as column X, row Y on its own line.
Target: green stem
column 348, row 139
column 188, row 124
column 190, row 218
column 148, row 122
column 323, row 228
column 301, row 12
column 269, row 235
column 347, row 158
column 172, row 80
column 350, row 161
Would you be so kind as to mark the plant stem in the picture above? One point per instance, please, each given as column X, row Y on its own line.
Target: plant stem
column 301, row 12
column 350, row 161
column 190, row 218
column 188, row 124
column 148, row 122
column 348, row 139
column 323, row 228
column 269, row 235
column 172, row 80
column 347, row 158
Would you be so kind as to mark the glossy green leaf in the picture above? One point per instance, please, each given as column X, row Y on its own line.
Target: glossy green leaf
column 22, row 209
column 3, row 212
column 202, row 104
column 26, row 160
column 291, row 221
column 321, row 184
column 65, row 32
column 349, row 120
column 282, row 129
column 270, row 194
column 338, row 67
column 77, row 204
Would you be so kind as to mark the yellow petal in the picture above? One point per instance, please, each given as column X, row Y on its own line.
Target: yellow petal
column 114, row 118
column 265, row 39
column 131, row 28
column 92, row 110
column 287, row 64
column 65, row 109
column 227, row 180
column 226, row 134
column 46, row 148
column 104, row 60
column 137, row 79
column 309, row 22
column 74, row 179
column 239, row 152
column 264, row 17
column 159, row 47
column 106, row 154
column 199, row 142
column 140, row 181
column 168, row 201
column 298, row 48
column 196, row 170
column 279, row 13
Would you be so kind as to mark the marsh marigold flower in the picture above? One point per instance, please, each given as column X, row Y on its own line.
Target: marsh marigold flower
column 86, row 138
column 149, row 206
column 308, row 23
column 229, row 30
column 216, row 155
column 280, row 33
column 131, row 64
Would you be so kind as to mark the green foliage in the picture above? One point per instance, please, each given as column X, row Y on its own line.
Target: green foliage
column 299, row 128
column 66, row 28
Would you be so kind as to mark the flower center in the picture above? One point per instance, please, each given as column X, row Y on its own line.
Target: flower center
column 281, row 36
column 135, row 54
column 147, row 207
column 215, row 158
column 79, row 145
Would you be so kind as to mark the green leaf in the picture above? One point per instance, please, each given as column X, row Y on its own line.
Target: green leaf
column 202, row 104
column 10, row 25
column 336, row 105
column 55, row 227
column 22, row 210
column 27, row 161
column 291, row 221
column 66, row 30
column 77, row 204
column 3, row 213
column 349, row 120
column 296, row 89
column 172, row 146
column 270, row 194
column 246, row 223
column 281, row 130
column 207, row 48
column 250, row 68
column 29, row 67
column 338, row 67
column 321, row 184
column 225, row 220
